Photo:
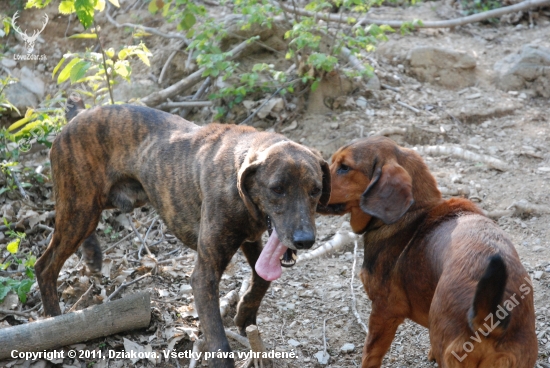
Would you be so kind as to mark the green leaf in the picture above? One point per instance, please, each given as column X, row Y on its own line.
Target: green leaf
column 66, row 72
column 4, row 290
column 57, row 67
column 23, row 289
column 122, row 54
column 85, row 12
column 84, row 35
column 143, row 57
column 315, row 85
column 99, row 5
column 13, row 246
column 79, row 70
column 115, row 3
column 67, row 7
column 188, row 20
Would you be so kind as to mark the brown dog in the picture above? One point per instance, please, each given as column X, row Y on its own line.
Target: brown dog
column 440, row 263
column 216, row 187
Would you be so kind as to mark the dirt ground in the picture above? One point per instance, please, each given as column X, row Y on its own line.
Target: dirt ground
column 312, row 301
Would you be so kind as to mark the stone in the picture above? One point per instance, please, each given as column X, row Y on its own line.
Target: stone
column 9, row 63
column 529, row 69
column 136, row 89
column 322, row 357
column 347, row 348
column 31, row 82
column 20, row 97
column 294, row 343
column 538, row 275
column 448, row 68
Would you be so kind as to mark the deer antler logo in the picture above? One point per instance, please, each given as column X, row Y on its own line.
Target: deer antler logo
column 29, row 40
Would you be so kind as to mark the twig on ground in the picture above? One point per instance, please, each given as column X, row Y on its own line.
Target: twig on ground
column 391, row 131
column 519, row 208
column 125, row 285
column 227, row 300
column 143, row 28
column 45, row 227
column 414, row 109
column 387, row 86
column 324, row 331
column 198, row 347
column 16, row 313
column 339, row 241
column 259, row 108
column 18, row 183
column 200, row 92
column 240, row 339
column 169, row 60
column 73, row 308
column 464, row 154
column 118, row 242
column 186, row 104
column 353, row 300
column 256, row 345
column 158, row 97
column 141, row 240
column 529, row 4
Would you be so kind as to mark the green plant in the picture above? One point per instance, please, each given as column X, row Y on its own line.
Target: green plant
column 479, row 6
column 7, row 284
column 307, row 41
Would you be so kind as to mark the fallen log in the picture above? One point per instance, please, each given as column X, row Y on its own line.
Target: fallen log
column 131, row 312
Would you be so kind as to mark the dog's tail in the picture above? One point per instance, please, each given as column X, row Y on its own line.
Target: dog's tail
column 486, row 312
column 75, row 105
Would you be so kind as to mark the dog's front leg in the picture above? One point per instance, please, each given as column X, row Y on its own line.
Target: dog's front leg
column 215, row 249
column 247, row 309
column 382, row 328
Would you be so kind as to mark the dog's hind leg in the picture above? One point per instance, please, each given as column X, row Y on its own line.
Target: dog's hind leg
column 250, row 301
column 91, row 250
column 72, row 226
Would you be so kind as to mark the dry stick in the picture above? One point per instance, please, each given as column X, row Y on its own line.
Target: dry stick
column 168, row 61
column 340, row 239
column 519, row 208
column 464, row 154
column 73, row 308
column 124, row 285
column 198, row 347
column 324, row 331
column 414, row 109
column 200, row 92
column 256, row 345
column 391, row 88
column 353, row 301
column 118, row 242
column 143, row 28
column 18, row 183
column 430, row 24
column 158, row 97
column 240, row 339
column 391, row 131
column 186, row 104
column 142, row 241
column 16, row 313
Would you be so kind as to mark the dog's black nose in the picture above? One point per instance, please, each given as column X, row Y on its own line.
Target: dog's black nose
column 303, row 239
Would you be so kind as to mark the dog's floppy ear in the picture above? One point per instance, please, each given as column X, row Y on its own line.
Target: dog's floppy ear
column 247, row 169
column 325, row 193
column 389, row 194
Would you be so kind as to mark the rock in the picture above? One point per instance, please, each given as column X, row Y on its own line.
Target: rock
column 21, row 97
column 528, row 69
column 451, row 69
column 347, row 348
column 9, row 63
column 361, row 102
column 32, row 82
column 294, row 343
column 137, row 89
column 538, row 275
column 373, row 83
column 322, row 357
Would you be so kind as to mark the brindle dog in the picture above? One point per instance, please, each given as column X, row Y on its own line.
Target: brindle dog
column 216, row 187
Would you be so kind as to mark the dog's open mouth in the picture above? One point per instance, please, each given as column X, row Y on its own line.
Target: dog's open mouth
column 289, row 258
column 274, row 255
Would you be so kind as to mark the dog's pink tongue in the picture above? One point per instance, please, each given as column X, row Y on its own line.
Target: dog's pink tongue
column 268, row 265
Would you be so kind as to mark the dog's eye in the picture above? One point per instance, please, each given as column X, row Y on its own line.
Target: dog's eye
column 343, row 169
column 315, row 191
column 278, row 190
